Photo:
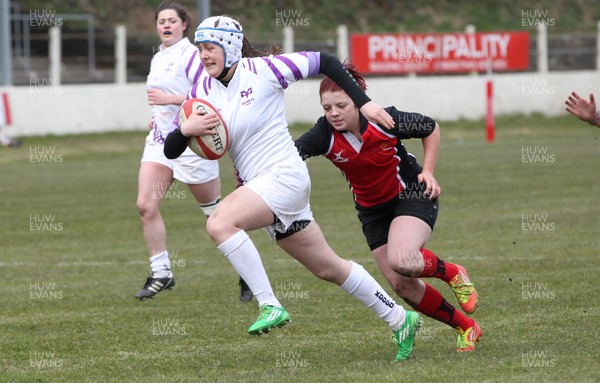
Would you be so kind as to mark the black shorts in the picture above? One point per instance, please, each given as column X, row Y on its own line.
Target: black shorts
column 295, row 227
column 376, row 221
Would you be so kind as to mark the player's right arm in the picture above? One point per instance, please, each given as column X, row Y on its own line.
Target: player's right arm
column 286, row 68
column 410, row 125
column 197, row 124
column 175, row 144
column 415, row 125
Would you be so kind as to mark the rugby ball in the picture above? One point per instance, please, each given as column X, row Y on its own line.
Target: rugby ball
column 210, row 146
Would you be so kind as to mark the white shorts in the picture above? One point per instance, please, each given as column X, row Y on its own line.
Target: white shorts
column 285, row 188
column 189, row 168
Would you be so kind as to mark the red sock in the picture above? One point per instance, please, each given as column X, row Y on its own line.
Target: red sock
column 435, row 306
column 435, row 267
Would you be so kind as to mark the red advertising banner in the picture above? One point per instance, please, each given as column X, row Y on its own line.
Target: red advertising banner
column 440, row 52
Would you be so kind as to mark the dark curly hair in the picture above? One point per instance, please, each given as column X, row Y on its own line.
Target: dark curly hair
column 182, row 12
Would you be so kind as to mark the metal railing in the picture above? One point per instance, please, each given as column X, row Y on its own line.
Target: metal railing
column 122, row 62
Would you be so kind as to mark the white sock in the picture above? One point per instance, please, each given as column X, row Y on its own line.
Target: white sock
column 244, row 257
column 209, row 207
column 160, row 265
column 362, row 286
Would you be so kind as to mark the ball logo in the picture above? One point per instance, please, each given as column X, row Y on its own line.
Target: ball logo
column 216, row 138
column 211, row 146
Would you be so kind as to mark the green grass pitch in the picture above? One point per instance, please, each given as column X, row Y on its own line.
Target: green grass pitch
column 522, row 214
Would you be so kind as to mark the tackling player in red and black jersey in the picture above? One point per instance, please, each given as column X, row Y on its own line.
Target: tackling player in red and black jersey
column 396, row 200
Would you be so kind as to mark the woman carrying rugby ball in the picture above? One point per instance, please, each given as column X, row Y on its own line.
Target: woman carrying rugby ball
column 247, row 88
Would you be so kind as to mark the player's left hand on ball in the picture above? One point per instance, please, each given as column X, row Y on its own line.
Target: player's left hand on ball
column 432, row 189
column 374, row 112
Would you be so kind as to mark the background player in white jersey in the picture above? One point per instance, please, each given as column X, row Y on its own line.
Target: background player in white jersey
column 275, row 185
column 174, row 69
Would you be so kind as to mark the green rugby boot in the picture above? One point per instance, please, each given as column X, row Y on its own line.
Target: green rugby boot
column 269, row 317
column 405, row 336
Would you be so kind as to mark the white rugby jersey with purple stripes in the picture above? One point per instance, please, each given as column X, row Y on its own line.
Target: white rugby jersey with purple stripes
column 253, row 108
column 173, row 70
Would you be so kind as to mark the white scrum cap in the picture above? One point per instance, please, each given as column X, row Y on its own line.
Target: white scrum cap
column 225, row 32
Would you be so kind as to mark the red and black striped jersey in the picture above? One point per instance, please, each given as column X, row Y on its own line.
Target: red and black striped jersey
column 378, row 168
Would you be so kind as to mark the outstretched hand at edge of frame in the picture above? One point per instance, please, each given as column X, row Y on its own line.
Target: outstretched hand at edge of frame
column 583, row 109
